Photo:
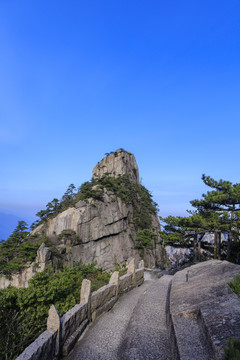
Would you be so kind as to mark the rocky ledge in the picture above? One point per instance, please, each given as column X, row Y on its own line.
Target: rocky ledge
column 204, row 311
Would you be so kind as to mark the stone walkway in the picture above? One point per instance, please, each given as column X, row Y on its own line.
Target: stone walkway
column 134, row 329
column 204, row 314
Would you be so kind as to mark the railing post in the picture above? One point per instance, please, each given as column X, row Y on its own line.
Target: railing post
column 114, row 280
column 54, row 324
column 131, row 269
column 85, row 295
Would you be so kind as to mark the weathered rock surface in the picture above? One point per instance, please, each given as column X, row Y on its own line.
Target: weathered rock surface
column 205, row 312
column 177, row 256
column 105, row 227
column 119, row 163
column 21, row 278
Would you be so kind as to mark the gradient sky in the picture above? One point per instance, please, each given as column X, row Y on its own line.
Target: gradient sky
column 160, row 79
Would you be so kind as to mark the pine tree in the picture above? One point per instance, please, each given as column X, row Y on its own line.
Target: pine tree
column 224, row 202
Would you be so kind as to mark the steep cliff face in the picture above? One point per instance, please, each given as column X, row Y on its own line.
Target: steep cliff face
column 118, row 163
column 103, row 221
column 103, row 228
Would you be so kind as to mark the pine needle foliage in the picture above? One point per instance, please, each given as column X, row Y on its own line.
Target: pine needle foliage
column 18, row 250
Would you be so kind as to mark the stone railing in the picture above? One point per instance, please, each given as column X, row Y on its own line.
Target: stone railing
column 62, row 333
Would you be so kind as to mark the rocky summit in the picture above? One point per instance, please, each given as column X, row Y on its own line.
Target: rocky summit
column 118, row 163
column 104, row 221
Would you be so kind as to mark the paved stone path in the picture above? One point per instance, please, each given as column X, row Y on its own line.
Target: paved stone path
column 134, row 329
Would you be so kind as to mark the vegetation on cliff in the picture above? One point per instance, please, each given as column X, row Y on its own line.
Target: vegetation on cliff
column 235, row 285
column 134, row 194
column 23, row 312
column 21, row 247
column 16, row 251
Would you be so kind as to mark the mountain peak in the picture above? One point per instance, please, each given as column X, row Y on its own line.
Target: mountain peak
column 117, row 163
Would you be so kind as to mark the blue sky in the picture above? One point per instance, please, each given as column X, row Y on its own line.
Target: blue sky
column 81, row 78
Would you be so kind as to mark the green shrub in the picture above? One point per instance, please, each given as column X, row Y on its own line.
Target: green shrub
column 23, row 312
column 232, row 351
column 14, row 256
column 122, row 269
column 70, row 235
column 235, row 284
column 86, row 191
column 145, row 239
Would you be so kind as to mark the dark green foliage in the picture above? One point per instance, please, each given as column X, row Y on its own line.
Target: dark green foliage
column 217, row 212
column 17, row 250
column 70, row 237
column 19, row 233
column 145, row 239
column 122, row 269
column 235, row 285
column 232, row 351
column 55, row 206
column 86, row 191
column 224, row 197
column 23, row 312
column 176, row 229
column 173, row 239
column 224, row 202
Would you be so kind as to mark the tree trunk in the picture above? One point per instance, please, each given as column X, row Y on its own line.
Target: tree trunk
column 199, row 249
column 229, row 244
column 215, row 243
column 230, row 234
column 194, row 247
column 219, row 245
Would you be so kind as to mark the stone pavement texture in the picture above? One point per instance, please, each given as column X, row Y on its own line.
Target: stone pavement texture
column 147, row 335
column 134, row 329
column 204, row 310
column 169, row 319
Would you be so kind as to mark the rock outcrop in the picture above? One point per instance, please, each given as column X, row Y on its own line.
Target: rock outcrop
column 105, row 228
column 102, row 228
column 118, row 163
column 21, row 278
column 205, row 312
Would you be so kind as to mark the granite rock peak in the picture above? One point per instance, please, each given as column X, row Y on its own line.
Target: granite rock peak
column 117, row 163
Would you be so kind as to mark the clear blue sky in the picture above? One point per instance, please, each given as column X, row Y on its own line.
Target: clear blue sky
column 81, row 78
